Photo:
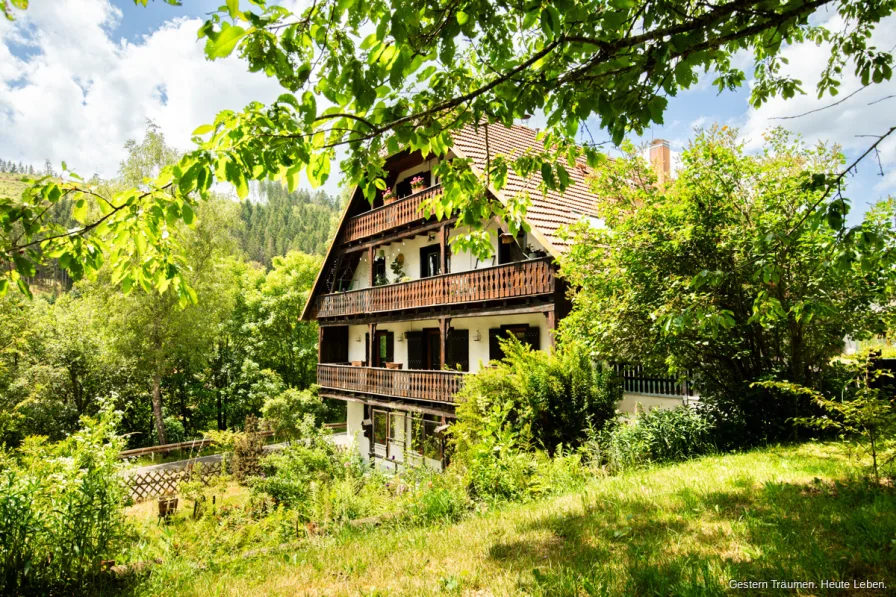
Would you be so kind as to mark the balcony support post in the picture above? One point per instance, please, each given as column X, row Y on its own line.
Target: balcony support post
column 370, row 254
column 371, row 347
column 443, row 249
column 444, row 322
column 320, row 344
column 552, row 327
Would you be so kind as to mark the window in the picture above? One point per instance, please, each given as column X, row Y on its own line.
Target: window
column 429, row 261
column 403, row 187
column 380, row 427
column 397, row 427
column 384, row 348
column 424, row 440
column 512, row 251
column 524, row 333
column 379, row 271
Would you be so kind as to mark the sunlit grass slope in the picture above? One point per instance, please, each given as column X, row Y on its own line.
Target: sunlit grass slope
column 782, row 513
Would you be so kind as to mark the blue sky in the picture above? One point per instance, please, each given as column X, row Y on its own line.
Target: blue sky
column 78, row 78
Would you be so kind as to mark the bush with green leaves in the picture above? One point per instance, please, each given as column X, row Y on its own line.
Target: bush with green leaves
column 863, row 412
column 547, row 400
column 292, row 411
column 742, row 269
column 653, row 437
column 248, row 451
column 528, row 402
column 61, row 509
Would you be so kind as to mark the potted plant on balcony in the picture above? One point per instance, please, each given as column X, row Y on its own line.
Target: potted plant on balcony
column 417, row 184
column 388, row 196
column 397, row 268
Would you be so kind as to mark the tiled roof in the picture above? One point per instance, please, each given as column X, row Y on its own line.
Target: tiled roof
column 547, row 212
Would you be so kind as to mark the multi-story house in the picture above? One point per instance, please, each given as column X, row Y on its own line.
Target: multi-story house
column 403, row 319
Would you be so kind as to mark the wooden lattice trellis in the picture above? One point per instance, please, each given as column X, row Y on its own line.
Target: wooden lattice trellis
column 150, row 484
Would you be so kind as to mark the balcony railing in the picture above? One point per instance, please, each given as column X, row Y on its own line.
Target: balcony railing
column 522, row 278
column 435, row 386
column 381, row 219
column 636, row 380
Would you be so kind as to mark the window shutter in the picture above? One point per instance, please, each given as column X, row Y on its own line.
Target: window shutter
column 367, row 350
column 390, row 347
column 415, row 350
column 533, row 337
column 494, row 348
column 458, row 349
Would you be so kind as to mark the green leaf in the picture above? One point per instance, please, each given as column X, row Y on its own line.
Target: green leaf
column 79, row 211
column 24, row 266
column 550, row 21
column 187, row 213
column 23, row 286
column 224, row 42
column 236, row 177
column 462, row 17
column 204, row 129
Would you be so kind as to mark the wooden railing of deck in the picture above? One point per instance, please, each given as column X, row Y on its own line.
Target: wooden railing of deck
column 436, row 386
column 400, row 213
column 522, row 278
column 636, row 380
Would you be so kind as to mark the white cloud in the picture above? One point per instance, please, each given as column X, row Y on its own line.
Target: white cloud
column 78, row 94
column 842, row 123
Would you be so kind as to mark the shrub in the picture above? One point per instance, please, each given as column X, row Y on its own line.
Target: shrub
column 174, row 430
column 546, row 400
column 248, row 450
column 436, row 498
column 61, row 509
column 296, row 475
column 655, row 436
column 292, row 411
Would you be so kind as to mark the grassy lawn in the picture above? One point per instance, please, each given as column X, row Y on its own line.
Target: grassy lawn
column 785, row 513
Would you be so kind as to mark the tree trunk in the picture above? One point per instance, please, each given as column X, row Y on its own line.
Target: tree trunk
column 157, row 407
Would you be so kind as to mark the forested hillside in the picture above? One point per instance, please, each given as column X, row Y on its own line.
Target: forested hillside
column 276, row 221
column 174, row 370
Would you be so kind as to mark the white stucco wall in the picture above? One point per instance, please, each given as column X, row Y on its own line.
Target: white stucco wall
column 478, row 349
column 410, row 248
column 631, row 402
column 355, row 427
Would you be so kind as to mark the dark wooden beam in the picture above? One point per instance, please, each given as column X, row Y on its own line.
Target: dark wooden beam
column 320, row 343
column 370, row 253
column 552, row 327
column 443, row 249
column 444, row 322
column 385, row 239
column 447, row 412
column 371, row 339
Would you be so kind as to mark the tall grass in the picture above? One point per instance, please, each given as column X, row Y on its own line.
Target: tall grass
column 687, row 529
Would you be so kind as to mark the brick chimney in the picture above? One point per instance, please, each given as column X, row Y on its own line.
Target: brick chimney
column 661, row 160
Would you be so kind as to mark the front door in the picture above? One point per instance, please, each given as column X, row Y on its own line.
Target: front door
column 383, row 348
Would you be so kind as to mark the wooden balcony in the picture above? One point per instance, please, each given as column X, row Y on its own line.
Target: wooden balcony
column 388, row 217
column 435, row 386
column 511, row 280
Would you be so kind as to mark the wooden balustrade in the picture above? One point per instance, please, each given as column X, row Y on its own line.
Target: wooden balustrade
column 523, row 278
column 636, row 380
column 436, row 386
column 400, row 213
